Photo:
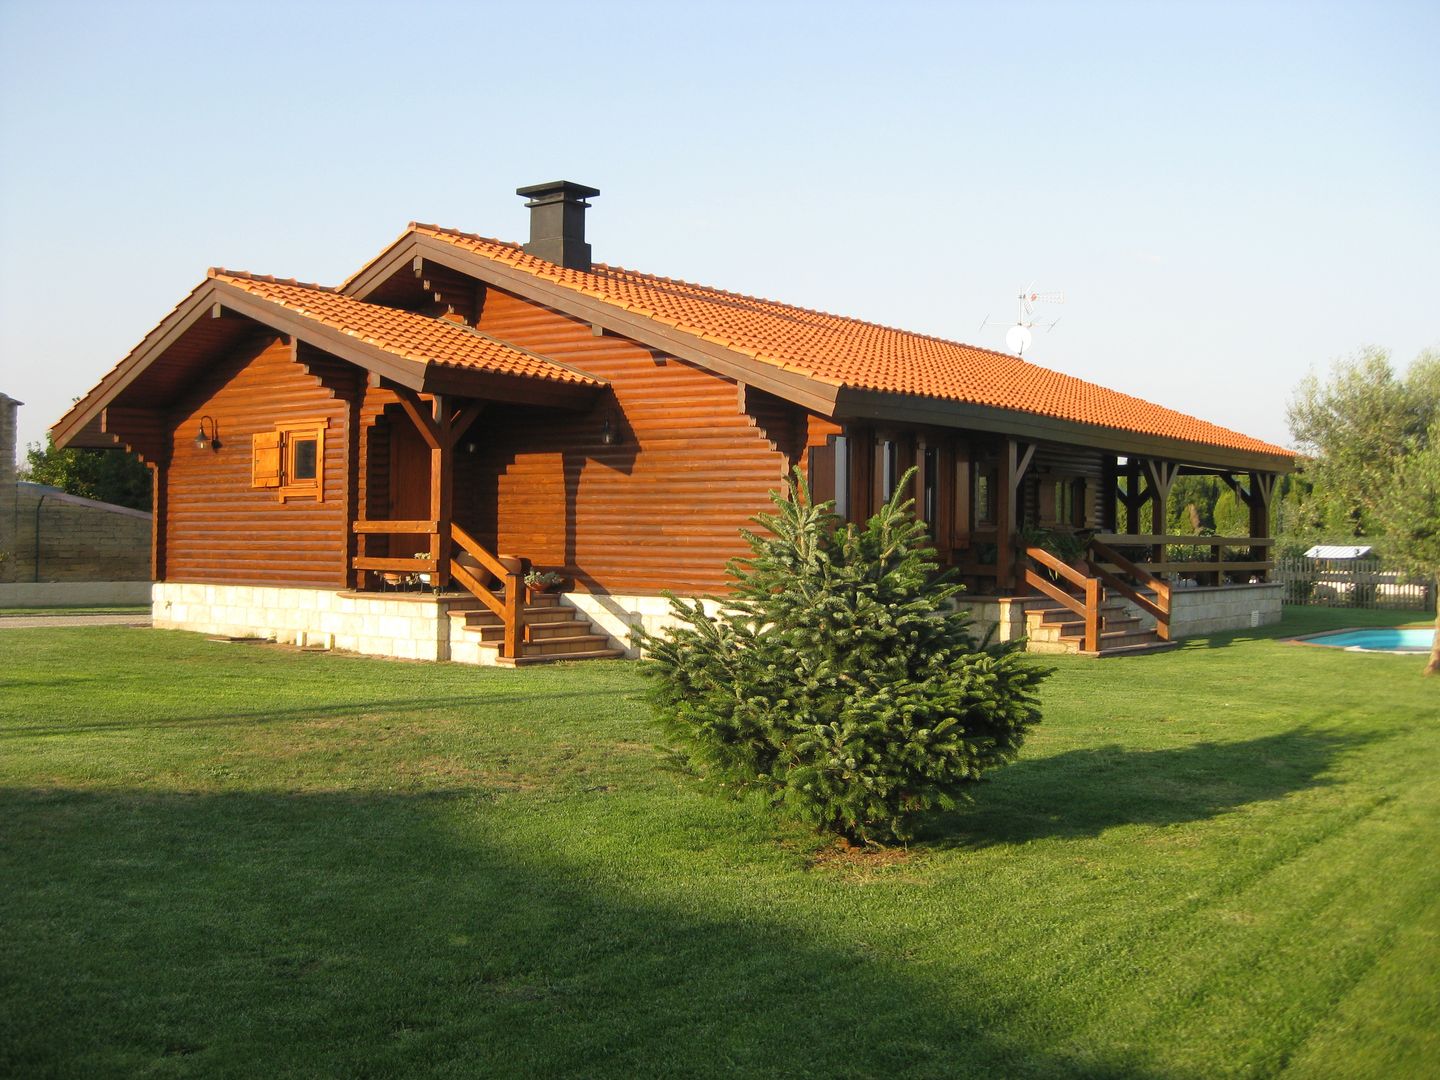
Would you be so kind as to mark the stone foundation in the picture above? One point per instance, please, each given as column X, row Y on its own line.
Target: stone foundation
column 1230, row 607
column 410, row 626
column 418, row 626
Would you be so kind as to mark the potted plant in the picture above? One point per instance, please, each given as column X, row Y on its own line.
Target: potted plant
column 1069, row 546
column 543, row 580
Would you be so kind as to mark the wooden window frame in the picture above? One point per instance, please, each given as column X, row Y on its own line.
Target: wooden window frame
column 289, row 436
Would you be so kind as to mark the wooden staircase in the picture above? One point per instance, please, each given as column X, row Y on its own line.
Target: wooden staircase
column 1085, row 610
column 1051, row 628
column 553, row 632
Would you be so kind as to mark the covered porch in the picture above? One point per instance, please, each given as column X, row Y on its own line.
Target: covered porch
column 1064, row 542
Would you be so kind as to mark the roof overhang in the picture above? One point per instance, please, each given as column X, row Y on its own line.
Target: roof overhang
column 827, row 398
column 875, row 406
column 84, row 424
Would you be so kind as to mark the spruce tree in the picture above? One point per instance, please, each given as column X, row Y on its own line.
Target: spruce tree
column 838, row 676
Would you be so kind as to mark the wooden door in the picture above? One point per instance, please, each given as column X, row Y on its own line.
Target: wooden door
column 409, row 483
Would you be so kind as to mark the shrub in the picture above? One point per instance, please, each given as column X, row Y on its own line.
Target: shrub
column 838, row 677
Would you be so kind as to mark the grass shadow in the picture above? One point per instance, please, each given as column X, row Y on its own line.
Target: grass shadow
column 66, row 726
column 1081, row 793
column 248, row 934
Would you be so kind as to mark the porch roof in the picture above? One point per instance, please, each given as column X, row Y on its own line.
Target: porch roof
column 423, row 353
column 419, row 339
column 846, row 363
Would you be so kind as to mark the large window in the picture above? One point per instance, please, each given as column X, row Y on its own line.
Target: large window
column 290, row 460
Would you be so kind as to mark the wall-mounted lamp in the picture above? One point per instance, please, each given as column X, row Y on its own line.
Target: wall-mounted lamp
column 608, row 435
column 210, row 441
column 470, row 447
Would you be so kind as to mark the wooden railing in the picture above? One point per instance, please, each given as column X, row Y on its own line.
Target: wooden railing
column 1099, row 553
column 511, row 572
column 1087, row 605
column 1217, row 565
column 391, row 563
column 509, row 606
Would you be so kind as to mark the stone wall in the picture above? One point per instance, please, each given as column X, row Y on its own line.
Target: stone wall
column 78, row 539
column 1233, row 607
column 411, row 626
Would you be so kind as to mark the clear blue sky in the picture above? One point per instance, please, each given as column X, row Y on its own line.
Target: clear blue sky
column 1230, row 195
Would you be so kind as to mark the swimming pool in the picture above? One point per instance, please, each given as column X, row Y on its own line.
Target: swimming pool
column 1414, row 640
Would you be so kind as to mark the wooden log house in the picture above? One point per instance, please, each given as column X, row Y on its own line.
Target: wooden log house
column 377, row 466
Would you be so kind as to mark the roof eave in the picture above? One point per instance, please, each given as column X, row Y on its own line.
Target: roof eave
column 875, row 405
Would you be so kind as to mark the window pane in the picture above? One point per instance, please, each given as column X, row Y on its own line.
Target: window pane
column 984, row 501
column 303, row 461
column 842, row 476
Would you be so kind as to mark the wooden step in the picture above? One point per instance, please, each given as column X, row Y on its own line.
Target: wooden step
column 534, row 615
column 539, row 631
column 556, row 631
column 1076, row 628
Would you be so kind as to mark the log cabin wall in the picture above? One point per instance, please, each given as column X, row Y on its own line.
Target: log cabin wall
column 218, row 528
column 1052, row 462
column 662, row 506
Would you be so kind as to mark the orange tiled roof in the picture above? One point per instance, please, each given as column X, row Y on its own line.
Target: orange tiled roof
column 401, row 333
column 849, row 352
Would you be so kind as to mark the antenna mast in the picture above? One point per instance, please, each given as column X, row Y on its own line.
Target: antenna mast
column 1019, row 337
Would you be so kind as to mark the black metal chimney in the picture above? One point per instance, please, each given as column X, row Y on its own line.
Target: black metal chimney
column 557, row 222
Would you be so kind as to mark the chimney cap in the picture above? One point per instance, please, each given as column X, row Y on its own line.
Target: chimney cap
column 556, row 191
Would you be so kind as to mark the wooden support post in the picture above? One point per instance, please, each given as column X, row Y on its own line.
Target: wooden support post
column 1132, row 496
column 1262, row 489
column 1013, row 463
column 1092, row 614
column 860, row 443
column 1109, row 494
column 442, row 486
column 515, row 634
column 878, row 476
column 1162, row 476
column 159, row 519
column 917, row 487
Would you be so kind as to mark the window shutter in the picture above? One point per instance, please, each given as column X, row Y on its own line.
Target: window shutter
column 265, row 460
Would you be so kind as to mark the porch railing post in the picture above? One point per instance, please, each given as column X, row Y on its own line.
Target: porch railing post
column 514, row 604
column 1092, row 615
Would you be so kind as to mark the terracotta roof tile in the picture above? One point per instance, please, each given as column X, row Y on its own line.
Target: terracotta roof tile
column 401, row 333
column 850, row 352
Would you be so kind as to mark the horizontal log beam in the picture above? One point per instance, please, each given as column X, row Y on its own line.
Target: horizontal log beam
column 372, row 527
column 414, row 566
column 1147, row 540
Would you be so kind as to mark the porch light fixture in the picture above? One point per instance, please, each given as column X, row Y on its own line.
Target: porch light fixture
column 608, row 435
column 210, row 441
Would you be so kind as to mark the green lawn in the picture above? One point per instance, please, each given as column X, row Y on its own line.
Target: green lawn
column 81, row 609
column 237, row 860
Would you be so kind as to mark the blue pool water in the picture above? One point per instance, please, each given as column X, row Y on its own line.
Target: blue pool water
column 1385, row 640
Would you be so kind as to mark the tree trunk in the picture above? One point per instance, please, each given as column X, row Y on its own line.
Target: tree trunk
column 1433, row 668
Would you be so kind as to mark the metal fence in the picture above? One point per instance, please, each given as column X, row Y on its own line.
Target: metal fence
column 1351, row 583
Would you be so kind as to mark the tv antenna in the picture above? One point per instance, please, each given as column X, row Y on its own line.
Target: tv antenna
column 1021, row 336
